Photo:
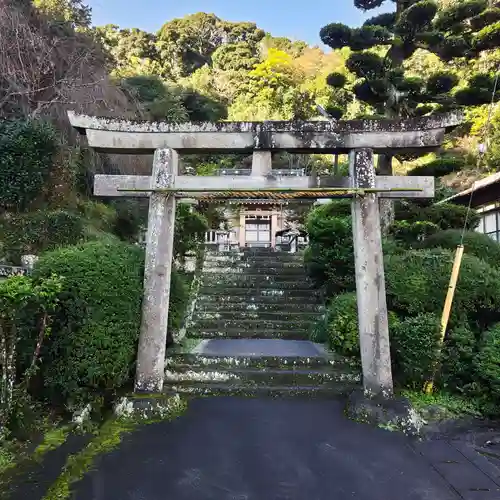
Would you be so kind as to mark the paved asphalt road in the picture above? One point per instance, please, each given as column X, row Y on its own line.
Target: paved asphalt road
column 277, row 449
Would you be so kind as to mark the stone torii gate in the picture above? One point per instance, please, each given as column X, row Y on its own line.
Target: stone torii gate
column 359, row 138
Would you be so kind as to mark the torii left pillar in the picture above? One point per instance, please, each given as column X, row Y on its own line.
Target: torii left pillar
column 157, row 274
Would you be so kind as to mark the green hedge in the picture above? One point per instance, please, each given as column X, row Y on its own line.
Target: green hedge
column 410, row 233
column 444, row 215
column 329, row 258
column 414, row 348
column 340, row 325
column 457, row 360
column 480, row 245
column 417, row 282
column 27, row 148
column 36, row 232
column 92, row 348
column 487, row 363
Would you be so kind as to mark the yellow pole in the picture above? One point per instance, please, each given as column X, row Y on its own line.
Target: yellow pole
column 429, row 385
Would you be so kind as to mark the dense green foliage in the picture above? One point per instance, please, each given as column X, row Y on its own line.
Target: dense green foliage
column 340, row 327
column 477, row 244
column 96, row 326
column 459, row 30
column 439, row 167
column 418, row 258
column 36, row 232
column 412, row 232
column 22, row 296
column 341, row 324
column 92, row 348
column 26, row 161
column 329, row 258
column 487, row 362
column 414, row 348
column 411, row 291
column 457, row 359
column 190, row 228
column 443, row 215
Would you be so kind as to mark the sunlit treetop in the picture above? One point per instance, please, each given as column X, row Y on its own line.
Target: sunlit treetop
column 458, row 30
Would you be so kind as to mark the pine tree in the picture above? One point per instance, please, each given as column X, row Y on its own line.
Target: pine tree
column 451, row 30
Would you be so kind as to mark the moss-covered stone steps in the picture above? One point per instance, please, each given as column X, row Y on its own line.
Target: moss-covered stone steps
column 271, row 270
column 239, row 333
column 340, row 389
column 206, row 305
column 261, row 259
column 195, row 360
column 256, row 314
column 297, row 280
column 257, row 293
column 258, row 377
column 228, row 284
column 279, row 323
column 251, row 298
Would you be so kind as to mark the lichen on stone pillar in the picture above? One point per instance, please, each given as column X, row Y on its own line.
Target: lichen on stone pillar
column 157, row 273
column 370, row 279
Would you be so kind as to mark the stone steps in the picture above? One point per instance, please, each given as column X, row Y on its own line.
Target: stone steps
column 257, row 324
column 296, row 280
column 289, row 299
column 209, row 304
column 258, row 293
column 263, row 260
column 340, row 389
column 196, row 374
column 238, row 333
column 258, row 376
column 224, row 314
column 194, row 360
column 288, row 271
column 246, row 302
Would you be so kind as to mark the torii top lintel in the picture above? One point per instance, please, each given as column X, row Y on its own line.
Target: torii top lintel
column 382, row 135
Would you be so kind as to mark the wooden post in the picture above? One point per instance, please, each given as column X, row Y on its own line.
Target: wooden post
column 429, row 385
column 157, row 273
column 370, row 279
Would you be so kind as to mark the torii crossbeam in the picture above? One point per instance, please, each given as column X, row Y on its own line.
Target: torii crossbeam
column 359, row 138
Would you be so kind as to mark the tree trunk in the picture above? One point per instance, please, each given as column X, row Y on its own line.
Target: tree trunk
column 386, row 205
column 336, row 165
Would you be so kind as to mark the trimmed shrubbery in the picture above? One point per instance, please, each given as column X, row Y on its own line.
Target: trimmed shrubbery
column 94, row 339
column 329, row 258
column 418, row 259
column 340, row 327
column 414, row 348
column 478, row 244
column 487, row 364
column 92, row 348
column 417, row 282
column 444, row 215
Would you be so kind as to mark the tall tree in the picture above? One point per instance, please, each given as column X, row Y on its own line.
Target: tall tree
column 188, row 43
column 456, row 30
column 75, row 12
column 131, row 51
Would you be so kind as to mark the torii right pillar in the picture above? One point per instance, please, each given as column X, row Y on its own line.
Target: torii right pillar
column 370, row 279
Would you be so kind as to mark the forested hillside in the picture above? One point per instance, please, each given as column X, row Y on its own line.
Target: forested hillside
column 202, row 67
